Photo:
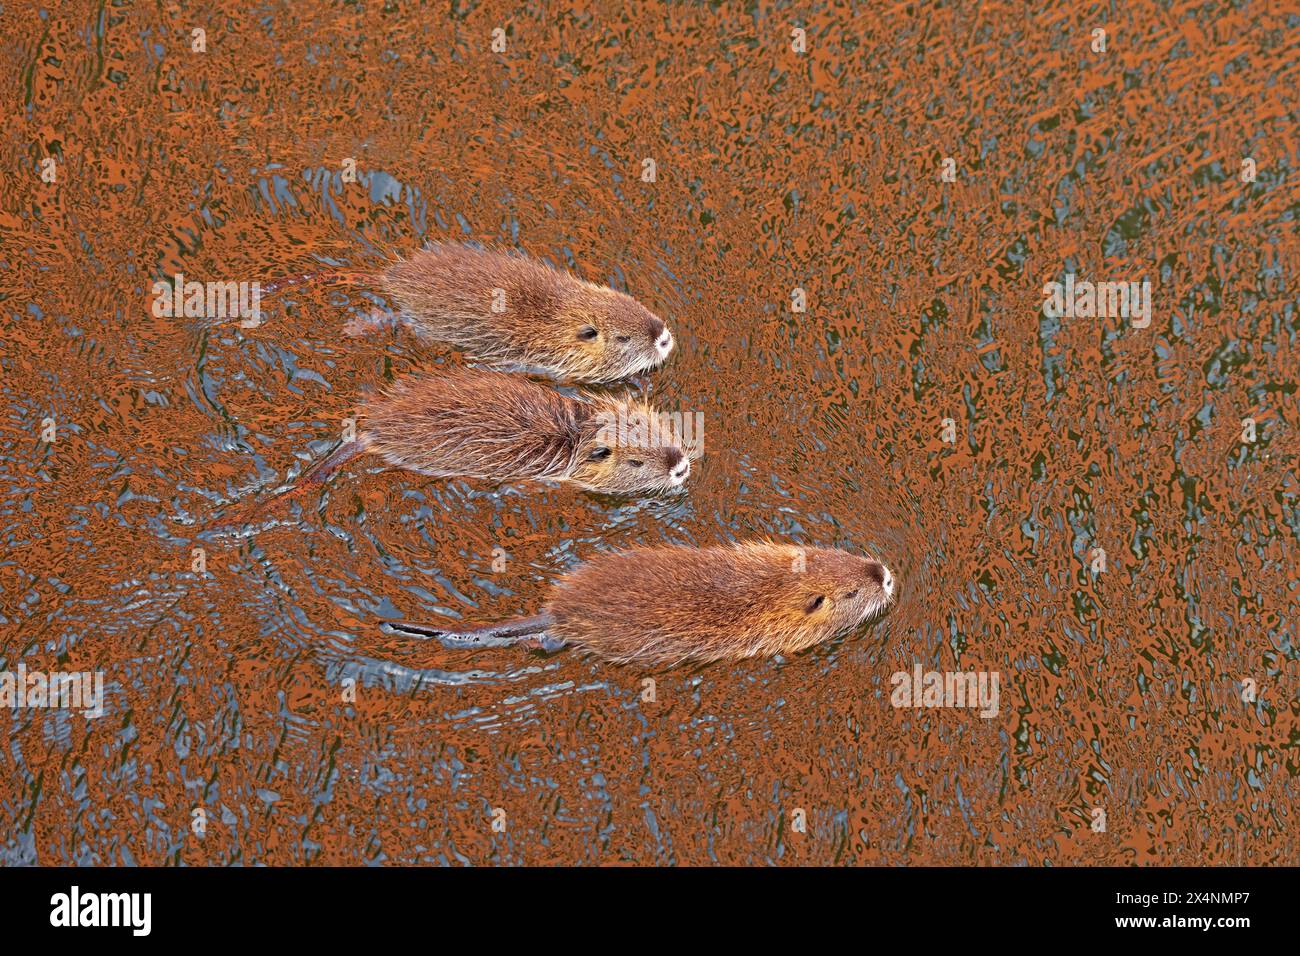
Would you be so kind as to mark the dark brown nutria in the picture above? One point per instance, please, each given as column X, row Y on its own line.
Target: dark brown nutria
column 475, row 424
column 507, row 308
column 662, row 606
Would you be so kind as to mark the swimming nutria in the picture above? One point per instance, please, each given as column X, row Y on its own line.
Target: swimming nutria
column 475, row 424
column 508, row 308
column 665, row 605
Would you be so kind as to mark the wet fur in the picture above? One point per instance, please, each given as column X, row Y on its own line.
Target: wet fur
column 663, row 606
column 447, row 291
column 476, row 424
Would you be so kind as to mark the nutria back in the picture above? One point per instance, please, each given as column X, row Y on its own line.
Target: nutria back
column 666, row 605
column 511, row 309
column 478, row 424
column 475, row 424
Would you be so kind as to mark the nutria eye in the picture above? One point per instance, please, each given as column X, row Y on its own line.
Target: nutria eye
column 587, row 333
column 636, row 464
column 599, row 454
column 815, row 603
column 623, row 338
column 851, row 595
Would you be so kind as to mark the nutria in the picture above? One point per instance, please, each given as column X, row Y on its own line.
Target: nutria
column 489, row 425
column 662, row 606
column 509, row 309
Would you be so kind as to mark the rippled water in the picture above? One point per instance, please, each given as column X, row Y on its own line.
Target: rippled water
column 226, row 688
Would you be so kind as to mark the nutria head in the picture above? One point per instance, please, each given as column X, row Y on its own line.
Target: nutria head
column 625, row 469
column 628, row 447
column 836, row 591
column 611, row 334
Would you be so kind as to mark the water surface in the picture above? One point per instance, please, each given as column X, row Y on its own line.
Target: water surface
column 227, row 688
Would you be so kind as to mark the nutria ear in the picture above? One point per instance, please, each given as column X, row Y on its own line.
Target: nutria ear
column 815, row 603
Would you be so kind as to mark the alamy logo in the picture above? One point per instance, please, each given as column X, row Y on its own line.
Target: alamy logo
column 639, row 430
column 102, row 909
column 208, row 300
column 946, row 689
column 82, row 691
column 1090, row 300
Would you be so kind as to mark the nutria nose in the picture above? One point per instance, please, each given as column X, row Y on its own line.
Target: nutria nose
column 664, row 342
column 678, row 466
column 880, row 574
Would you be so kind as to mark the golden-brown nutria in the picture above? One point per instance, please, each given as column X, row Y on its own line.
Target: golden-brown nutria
column 475, row 424
column 665, row 605
column 509, row 308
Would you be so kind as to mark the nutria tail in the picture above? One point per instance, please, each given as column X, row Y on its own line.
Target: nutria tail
column 313, row 278
column 313, row 477
column 524, row 630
